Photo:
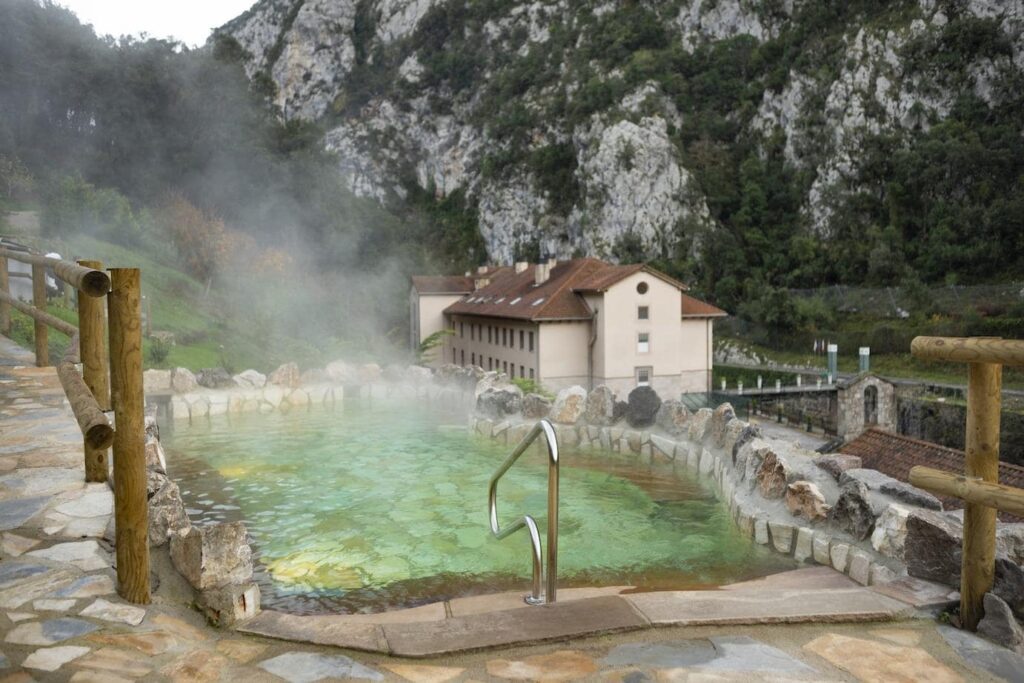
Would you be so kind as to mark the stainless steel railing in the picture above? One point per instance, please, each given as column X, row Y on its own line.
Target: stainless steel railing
column 551, row 574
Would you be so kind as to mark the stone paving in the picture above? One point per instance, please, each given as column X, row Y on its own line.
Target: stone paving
column 61, row 620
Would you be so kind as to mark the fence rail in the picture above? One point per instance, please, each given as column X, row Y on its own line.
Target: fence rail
column 113, row 381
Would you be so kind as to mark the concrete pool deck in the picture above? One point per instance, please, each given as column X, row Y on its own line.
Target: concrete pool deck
column 60, row 618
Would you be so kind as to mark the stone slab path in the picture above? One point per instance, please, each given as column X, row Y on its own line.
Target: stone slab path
column 61, row 619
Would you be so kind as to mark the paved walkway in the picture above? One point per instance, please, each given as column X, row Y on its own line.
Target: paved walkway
column 60, row 618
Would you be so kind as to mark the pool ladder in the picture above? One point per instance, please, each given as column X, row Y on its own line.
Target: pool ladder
column 550, row 576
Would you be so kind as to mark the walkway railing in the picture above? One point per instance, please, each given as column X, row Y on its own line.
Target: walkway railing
column 526, row 521
column 98, row 388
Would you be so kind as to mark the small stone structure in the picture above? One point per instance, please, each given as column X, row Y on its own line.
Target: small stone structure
column 863, row 402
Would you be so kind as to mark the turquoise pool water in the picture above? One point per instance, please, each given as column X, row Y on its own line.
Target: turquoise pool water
column 375, row 505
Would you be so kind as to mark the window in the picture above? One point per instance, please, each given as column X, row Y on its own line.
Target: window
column 643, row 313
column 512, row 371
column 462, row 355
column 471, row 326
column 488, row 334
column 462, row 329
column 643, row 342
column 531, row 373
column 504, row 367
column 522, row 371
column 531, row 341
column 453, row 355
column 641, row 288
column 472, row 358
column 870, row 406
column 643, row 376
column 490, row 363
column 521, row 344
column 504, row 336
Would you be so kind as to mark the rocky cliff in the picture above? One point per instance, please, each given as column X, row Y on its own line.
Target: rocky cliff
column 598, row 127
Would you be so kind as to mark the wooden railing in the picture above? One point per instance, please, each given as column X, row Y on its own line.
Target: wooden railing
column 978, row 486
column 98, row 388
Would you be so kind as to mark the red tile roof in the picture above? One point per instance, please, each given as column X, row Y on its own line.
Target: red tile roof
column 514, row 295
column 695, row 308
column 894, row 455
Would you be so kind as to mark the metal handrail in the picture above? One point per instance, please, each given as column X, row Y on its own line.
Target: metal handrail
column 551, row 575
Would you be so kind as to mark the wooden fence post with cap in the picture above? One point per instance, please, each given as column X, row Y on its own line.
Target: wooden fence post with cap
column 42, row 332
column 92, row 328
column 126, row 393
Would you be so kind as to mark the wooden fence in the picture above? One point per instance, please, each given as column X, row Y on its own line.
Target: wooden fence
column 107, row 381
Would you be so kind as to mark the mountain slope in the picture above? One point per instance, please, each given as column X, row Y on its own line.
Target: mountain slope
column 725, row 135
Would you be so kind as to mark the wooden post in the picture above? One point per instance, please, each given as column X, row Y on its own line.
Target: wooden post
column 92, row 327
column 984, row 396
column 130, row 505
column 5, row 308
column 42, row 333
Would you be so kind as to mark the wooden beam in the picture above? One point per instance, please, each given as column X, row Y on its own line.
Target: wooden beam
column 997, row 496
column 42, row 333
column 94, row 424
column 126, row 394
column 53, row 321
column 984, row 399
column 969, row 349
column 92, row 282
column 93, row 350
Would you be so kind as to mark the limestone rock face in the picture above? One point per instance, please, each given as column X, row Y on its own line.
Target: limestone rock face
column 852, row 512
column 837, row 463
column 497, row 403
column 672, row 417
column 183, row 381
column 287, row 376
column 999, row 625
column 211, row 378
column 890, row 534
column 569, row 405
column 642, row 407
column 804, row 499
column 536, row 406
column 250, row 379
column 933, row 547
column 156, row 380
column 600, row 408
column 1009, row 585
column 167, row 516
column 773, row 476
column 213, row 556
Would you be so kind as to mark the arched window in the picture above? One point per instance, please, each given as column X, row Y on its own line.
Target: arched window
column 871, row 405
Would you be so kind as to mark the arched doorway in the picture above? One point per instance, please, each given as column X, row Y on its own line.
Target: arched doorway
column 870, row 406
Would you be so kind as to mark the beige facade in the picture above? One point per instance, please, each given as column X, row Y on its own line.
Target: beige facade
column 580, row 322
column 427, row 317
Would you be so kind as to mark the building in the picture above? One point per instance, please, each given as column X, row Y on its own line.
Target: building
column 582, row 322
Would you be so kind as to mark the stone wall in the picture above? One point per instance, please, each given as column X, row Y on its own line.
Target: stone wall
column 941, row 422
column 850, row 400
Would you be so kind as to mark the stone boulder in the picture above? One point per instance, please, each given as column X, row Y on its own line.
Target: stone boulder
column 499, row 403
column 853, row 512
column 890, row 534
column 932, row 549
column 369, row 373
column 747, row 434
column 155, row 381
column 699, row 424
column 600, row 410
column 226, row 605
column 492, row 380
column 312, row 376
column 211, row 378
column 341, row 372
column 155, row 458
column 773, row 476
column 535, row 406
column 1010, row 541
column 837, row 463
column 894, row 488
column 804, row 499
column 999, row 626
column 1009, row 585
column 250, row 379
column 213, row 556
column 720, row 419
column 287, row 376
column 167, row 516
column 569, row 405
column 620, row 411
column 750, row 459
column 672, row 417
column 183, row 381
column 642, row 407
column 418, row 375
column 393, row 373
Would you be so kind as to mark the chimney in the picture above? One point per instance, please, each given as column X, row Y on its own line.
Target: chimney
column 481, row 270
column 541, row 272
column 521, row 266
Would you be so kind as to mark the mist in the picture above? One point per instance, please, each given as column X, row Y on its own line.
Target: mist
column 114, row 132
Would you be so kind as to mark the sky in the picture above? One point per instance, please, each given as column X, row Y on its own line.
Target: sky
column 189, row 21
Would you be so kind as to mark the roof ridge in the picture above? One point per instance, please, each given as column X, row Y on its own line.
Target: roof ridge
column 568, row 280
